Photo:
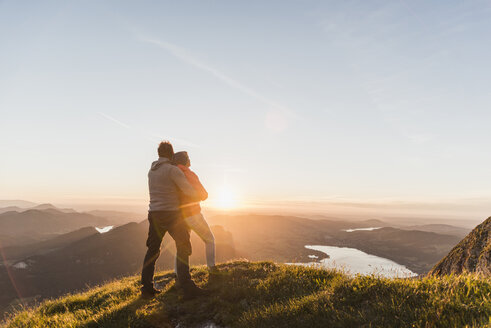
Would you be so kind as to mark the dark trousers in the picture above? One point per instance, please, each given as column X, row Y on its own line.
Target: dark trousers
column 160, row 223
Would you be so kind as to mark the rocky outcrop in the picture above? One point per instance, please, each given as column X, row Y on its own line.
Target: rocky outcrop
column 472, row 254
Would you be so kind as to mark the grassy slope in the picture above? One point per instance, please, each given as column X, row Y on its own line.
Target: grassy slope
column 264, row 294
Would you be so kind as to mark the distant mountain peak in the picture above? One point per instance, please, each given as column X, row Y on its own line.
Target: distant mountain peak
column 45, row 206
column 51, row 207
column 472, row 254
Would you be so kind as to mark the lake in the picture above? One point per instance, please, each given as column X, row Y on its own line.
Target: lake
column 104, row 229
column 353, row 261
column 362, row 229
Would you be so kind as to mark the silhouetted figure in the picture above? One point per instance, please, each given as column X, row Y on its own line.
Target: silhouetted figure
column 191, row 209
column 165, row 181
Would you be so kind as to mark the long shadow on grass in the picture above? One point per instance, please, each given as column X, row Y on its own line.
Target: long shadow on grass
column 126, row 316
column 227, row 289
column 136, row 312
column 238, row 289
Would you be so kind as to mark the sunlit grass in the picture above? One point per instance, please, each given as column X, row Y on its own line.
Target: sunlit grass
column 269, row 295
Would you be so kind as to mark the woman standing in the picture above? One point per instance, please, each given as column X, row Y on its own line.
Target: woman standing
column 191, row 210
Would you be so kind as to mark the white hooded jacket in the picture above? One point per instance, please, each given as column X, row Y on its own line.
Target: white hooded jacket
column 164, row 182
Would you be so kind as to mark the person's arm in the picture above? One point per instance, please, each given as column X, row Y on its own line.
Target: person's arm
column 194, row 180
column 183, row 184
column 203, row 194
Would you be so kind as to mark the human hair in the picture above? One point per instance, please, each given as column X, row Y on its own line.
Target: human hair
column 181, row 157
column 166, row 150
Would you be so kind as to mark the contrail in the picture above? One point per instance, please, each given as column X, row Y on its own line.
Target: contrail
column 110, row 118
column 184, row 56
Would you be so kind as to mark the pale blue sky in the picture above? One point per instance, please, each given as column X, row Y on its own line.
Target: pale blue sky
column 279, row 100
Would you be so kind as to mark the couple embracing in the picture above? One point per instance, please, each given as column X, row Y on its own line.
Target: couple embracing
column 175, row 194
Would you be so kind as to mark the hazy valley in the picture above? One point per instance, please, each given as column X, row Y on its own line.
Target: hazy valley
column 48, row 251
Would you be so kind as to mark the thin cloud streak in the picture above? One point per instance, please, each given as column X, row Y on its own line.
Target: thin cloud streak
column 184, row 56
column 112, row 119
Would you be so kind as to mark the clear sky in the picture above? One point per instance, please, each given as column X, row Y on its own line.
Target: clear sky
column 363, row 101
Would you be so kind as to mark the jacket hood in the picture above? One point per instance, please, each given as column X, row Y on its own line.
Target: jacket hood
column 160, row 161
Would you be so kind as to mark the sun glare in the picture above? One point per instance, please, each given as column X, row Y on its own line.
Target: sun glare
column 227, row 199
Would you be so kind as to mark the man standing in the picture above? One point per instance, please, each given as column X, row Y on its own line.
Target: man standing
column 165, row 181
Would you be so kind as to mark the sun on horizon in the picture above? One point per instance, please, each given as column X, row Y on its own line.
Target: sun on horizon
column 226, row 199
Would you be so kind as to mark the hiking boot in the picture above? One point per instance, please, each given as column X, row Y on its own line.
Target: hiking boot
column 214, row 274
column 213, row 270
column 149, row 292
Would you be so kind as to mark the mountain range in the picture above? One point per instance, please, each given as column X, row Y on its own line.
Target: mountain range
column 48, row 252
column 21, row 226
column 283, row 239
column 17, row 228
